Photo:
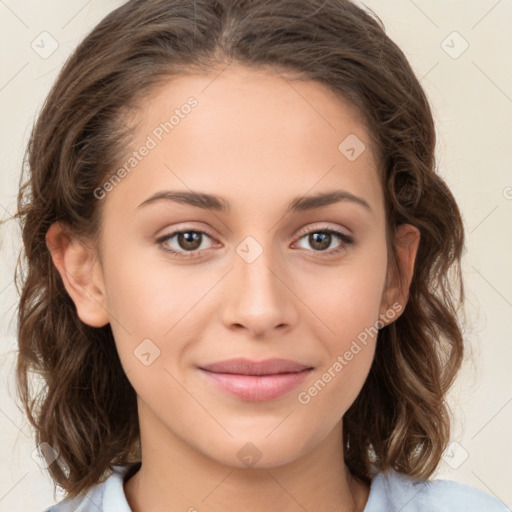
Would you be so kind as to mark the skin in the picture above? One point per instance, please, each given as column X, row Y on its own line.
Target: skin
column 259, row 141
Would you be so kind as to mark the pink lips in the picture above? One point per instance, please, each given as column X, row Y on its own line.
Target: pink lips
column 256, row 381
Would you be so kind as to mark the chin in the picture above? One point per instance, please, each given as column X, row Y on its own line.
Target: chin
column 259, row 451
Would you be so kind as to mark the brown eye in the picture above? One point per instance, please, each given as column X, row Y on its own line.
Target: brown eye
column 186, row 241
column 321, row 239
column 189, row 240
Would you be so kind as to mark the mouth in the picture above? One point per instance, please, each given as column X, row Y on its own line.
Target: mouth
column 256, row 381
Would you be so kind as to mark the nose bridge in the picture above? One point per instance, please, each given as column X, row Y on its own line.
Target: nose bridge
column 258, row 298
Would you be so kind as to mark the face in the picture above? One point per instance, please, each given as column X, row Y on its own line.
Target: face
column 260, row 271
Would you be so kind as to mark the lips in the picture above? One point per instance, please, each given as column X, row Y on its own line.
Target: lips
column 242, row 366
column 256, row 381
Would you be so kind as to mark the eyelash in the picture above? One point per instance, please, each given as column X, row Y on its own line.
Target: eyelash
column 345, row 239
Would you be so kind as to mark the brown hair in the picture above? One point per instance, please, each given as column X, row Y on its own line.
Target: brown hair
column 84, row 405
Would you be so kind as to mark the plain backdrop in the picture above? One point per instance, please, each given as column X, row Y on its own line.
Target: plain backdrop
column 460, row 50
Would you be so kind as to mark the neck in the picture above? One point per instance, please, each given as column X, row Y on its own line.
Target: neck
column 174, row 476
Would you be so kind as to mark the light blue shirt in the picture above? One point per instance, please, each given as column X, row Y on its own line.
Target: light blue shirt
column 389, row 492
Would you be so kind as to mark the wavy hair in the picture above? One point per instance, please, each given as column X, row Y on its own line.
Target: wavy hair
column 82, row 404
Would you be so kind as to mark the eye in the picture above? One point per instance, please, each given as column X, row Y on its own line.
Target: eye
column 321, row 239
column 187, row 240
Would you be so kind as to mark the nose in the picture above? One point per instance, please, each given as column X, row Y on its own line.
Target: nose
column 259, row 297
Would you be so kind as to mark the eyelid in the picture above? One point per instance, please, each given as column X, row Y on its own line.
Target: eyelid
column 166, row 236
column 346, row 239
column 322, row 227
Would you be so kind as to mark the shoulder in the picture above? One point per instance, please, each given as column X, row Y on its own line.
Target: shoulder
column 107, row 496
column 391, row 491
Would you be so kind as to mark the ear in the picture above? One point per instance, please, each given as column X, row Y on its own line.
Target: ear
column 81, row 274
column 396, row 293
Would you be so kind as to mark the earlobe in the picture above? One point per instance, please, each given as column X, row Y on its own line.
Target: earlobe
column 81, row 274
column 407, row 240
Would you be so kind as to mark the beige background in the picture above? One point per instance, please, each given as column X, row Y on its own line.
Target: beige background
column 471, row 95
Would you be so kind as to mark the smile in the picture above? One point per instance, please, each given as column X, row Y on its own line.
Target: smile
column 257, row 388
column 256, row 381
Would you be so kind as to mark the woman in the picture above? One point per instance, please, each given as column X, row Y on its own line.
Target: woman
column 238, row 253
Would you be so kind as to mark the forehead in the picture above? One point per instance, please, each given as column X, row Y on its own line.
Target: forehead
column 249, row 135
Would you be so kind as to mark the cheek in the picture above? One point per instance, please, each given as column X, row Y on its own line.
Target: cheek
column 139, row 303
column 348, row 306
column 152, row 300
column 347, row 298
column 145, row 296
column 349, row 349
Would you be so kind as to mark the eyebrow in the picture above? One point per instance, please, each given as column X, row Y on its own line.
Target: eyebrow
column 218, row 203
